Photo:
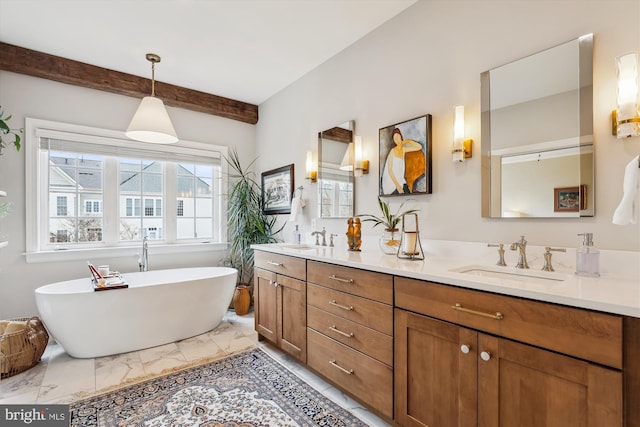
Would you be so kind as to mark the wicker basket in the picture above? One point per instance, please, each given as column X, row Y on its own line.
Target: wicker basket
column 23, row 349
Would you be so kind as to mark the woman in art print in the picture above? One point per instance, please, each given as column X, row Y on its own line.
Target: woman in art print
column 399, row 175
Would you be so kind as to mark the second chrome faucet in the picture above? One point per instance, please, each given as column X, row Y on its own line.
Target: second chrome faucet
column 521, row 247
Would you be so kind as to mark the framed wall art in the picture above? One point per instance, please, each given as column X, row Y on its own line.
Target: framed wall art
column 405, row 157
column 277, row 190
column 569, row 199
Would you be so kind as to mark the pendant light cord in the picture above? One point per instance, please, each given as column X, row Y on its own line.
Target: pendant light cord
column 153, row 78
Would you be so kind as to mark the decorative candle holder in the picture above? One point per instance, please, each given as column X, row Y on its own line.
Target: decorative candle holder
column 410, row 246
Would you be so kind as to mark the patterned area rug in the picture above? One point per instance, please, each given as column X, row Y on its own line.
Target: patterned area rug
column 245, row 390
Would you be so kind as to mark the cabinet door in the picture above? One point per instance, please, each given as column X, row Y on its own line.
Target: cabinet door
column 292, row 317
column 435, row 376
column 519, row 385
column 265, row 304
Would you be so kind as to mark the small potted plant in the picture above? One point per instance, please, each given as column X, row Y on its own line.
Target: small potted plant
column 390, row 239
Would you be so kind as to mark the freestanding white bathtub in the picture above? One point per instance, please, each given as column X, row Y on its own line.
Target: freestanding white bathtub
column 158, row 307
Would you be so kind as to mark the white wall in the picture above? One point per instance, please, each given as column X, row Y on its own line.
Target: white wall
column 429, row 59
column 24, row 96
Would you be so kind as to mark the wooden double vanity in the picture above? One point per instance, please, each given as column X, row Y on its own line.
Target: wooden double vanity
column 422, row 353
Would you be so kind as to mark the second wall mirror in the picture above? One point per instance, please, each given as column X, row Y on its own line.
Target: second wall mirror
column 537, row 134
column 335, row 171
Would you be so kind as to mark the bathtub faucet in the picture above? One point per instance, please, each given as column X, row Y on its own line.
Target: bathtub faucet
column 143, row 261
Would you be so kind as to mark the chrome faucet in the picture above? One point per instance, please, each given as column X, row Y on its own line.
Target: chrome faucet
column 521, row 246
column 322, row 233
column 143, row 261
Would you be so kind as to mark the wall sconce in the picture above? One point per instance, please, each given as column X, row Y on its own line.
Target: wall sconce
column 625, row 120
column 361, row 166
column 461, row 148
column 151, row 122
column 352, row 160
column 311, row 168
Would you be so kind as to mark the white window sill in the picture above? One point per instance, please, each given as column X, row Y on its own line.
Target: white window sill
column 121, row 251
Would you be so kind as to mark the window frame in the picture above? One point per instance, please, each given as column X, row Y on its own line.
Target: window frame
column 36, row 188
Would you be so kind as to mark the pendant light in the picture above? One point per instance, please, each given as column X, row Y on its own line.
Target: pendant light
column 151, row 123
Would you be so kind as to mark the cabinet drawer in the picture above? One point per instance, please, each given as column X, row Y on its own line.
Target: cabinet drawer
column 281, row 264
column 365, row 340
column 360, row 310
column 367, row 284
column 364, row 377
column 581, row 333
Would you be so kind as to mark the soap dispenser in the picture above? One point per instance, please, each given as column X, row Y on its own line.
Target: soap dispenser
column 297, row 238
column 587, row 258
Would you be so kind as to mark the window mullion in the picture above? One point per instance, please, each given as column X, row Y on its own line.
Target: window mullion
column 170, row 202
column 110, row 202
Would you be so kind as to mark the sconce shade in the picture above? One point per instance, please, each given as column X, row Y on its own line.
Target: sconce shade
column 311, row 171
column 361, row 166
column 627, row 115
column 151, row 123
column 458, row 135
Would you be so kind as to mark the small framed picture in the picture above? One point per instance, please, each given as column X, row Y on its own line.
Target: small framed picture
column 405, row 157
column 277, row 190
column 569, row 199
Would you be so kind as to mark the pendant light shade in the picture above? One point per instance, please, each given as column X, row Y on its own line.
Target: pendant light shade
column 151, row 122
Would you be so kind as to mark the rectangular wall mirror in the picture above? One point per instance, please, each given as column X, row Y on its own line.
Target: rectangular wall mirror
column 335, row 171
column 537, row 134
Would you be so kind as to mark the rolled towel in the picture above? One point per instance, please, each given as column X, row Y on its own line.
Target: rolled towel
column 627, row 210
column 296, row 207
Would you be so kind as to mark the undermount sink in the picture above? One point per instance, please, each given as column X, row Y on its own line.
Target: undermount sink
column 512, row 275
column 296, row 246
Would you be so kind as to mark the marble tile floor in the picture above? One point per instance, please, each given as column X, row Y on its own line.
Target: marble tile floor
column 59, row 378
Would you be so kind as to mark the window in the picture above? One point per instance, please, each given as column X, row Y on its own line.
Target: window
column 335, row 196
column 93, row 188
column 61, row 204
column 92, row 206
column 194, row 185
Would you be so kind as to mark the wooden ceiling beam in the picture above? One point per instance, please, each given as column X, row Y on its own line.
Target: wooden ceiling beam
column 38, row 64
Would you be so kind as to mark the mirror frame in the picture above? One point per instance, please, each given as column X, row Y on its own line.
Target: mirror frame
column 585, row 145
column 338, row 134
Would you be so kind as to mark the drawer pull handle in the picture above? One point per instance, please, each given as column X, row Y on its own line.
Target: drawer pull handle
column 277, row 264
column 344, row 307
column 485, row 355
column 497, row 315
column 465, row 348
column 346, row 371
column 336, row 330
column 340, row 279
column 273, row 283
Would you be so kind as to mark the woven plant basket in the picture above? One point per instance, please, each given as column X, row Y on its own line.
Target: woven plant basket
column 23, row 349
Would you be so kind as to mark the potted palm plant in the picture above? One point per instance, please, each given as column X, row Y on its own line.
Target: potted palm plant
column 247, row 225
column 390, row 239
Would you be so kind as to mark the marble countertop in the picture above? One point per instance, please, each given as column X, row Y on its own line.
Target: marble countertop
column 616, row 291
